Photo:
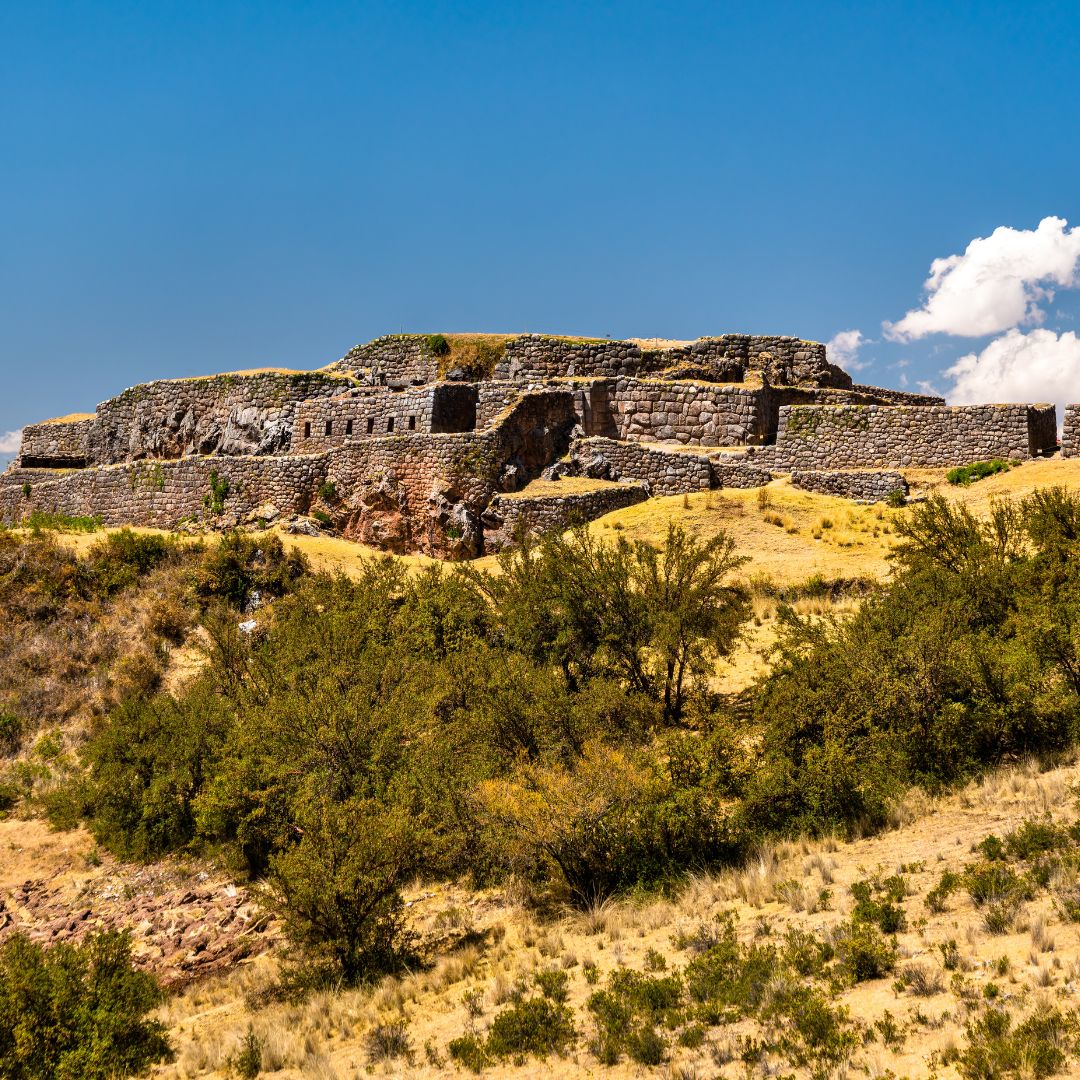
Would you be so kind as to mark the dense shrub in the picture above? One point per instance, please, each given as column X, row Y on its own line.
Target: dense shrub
column 979, row 470
column 76, row 1012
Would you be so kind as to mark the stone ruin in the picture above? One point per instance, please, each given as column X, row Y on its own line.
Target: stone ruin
column 429, row 443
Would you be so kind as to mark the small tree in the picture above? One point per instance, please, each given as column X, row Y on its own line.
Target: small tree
column 338, row 889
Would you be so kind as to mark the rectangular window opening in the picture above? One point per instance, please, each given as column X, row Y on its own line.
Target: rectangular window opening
column 307, row 430
column 389, row 425
column 348, row 427
column 329, row 427
column 412, row 423
column 370, row 424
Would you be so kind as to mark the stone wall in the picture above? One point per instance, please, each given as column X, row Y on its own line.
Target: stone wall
column 738, row 475
column 1070, row 432
column 667, row 472
column 898, row 397
column 868, row 436
column 868, row 485
column 405, row 359
column 783, row 360
column 369, row 412
column 163, row 494
column 691, row 413
column 427, row 492
column 507, row 514
column 57, row 444
column 493, row 398
column 225, row 414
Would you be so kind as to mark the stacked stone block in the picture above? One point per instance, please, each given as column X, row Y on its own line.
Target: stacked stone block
column 57, row 444
column 1070, row 432
column 865, row 485
column 868, row 436
column 506, row 514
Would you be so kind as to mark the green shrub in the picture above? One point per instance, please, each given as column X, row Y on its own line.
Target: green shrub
column 248, row 1062
column 437, row 344
column 533, row 1026
column 1037, row 1047
column 1034, row 838
column 875, row 903
column 238, row 567
column 76, row 1012
column 214, row 500
column 978, row 470
column 328, row 491
column 468, row 1050
column 863, row 951
column 896, row 498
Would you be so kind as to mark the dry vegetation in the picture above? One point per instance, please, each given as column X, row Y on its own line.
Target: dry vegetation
column 949, row 967
column 958, row 957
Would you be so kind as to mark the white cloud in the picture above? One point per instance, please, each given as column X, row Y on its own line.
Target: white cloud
column 1036, row 366
column 844, row 348
column 10, row 442
column 1001, row 281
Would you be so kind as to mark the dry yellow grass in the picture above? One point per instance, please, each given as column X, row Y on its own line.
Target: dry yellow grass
column 71, row 418
column 781, row 888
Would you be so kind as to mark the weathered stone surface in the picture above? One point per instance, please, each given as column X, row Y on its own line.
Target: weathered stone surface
column 876, row 436
column 870, row 486
column 506, row 514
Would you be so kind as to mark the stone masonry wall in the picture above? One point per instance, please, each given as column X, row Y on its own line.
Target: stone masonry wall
column 898, row 397
column 225, row 414
column 507, row 514
column 872, row 486
column 427, row 492
column 393, row 358
column 694, row 414
column 667, row 472
column 1070, row 432
column 57, row 444
column 369, row 412
column 163, row 494
column 785, row 360
column 868, row 436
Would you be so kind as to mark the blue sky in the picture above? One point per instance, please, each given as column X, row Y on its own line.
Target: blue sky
column 191, row 187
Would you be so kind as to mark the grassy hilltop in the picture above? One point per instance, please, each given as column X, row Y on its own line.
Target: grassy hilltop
column 738, row 783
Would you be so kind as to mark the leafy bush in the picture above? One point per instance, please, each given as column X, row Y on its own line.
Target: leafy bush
column 76, row 1012
column 533, row 1026
column 242, row 568
column 863, row 951
column 1036, row 1047
column 437, row 344
column 978, row 470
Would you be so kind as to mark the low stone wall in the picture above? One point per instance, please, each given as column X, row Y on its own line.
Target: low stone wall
column 506, row 514
column 868, row 436
column 738, row 475
column 494, row 398
column 667, row 472
column 392, row 358
column 1070, row 432
column 57, row 444
column 225, row 414
column 163, row 494
column 898, row 397
column 871, row 486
